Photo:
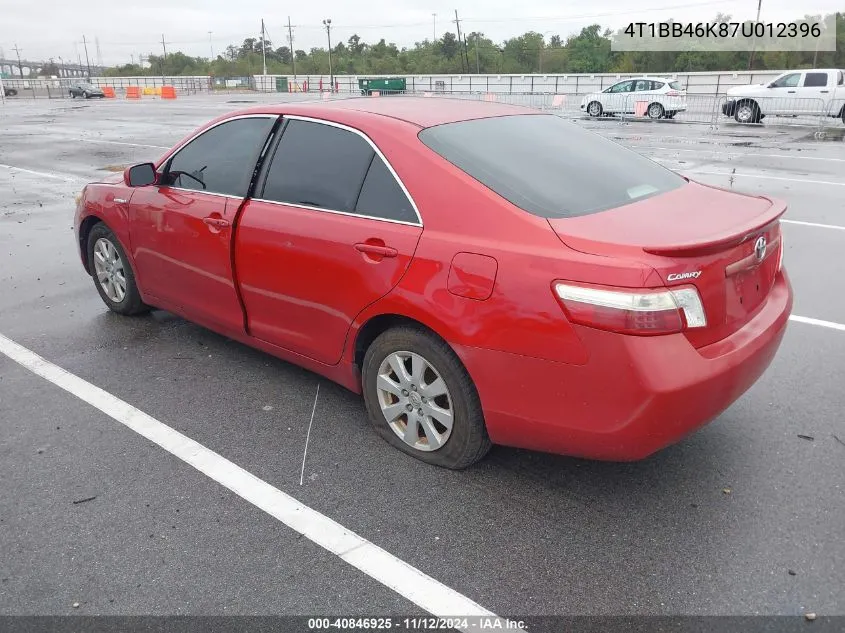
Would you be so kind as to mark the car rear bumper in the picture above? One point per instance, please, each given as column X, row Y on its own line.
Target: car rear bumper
column 635, row 396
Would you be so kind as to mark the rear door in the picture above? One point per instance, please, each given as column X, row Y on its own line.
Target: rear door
column 815, row 91
column 330, row 230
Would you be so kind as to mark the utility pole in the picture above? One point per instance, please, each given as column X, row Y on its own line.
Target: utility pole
column 292, row 55
column 328, row 23
column 210, row 46
column 477, row 64
column 99, row 54
column 263, row 48
column 434, row 27
column 754, row 40
column 18, row 53
column 463, row 52
column 61, row 67
column 163, row 59
column 87, row 61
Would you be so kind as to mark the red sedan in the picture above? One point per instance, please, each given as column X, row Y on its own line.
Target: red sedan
column 479, row 272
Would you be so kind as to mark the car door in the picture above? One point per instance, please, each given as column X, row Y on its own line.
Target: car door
column 615, row 98
column 815, row 91
column 330, row 230
column 181, row 228
column 782, row 96
column 643, row 91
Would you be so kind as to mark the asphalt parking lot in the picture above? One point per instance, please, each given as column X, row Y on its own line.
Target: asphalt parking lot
column 743, row 518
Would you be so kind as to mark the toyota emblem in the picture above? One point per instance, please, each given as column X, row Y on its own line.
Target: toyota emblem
column 760, row 248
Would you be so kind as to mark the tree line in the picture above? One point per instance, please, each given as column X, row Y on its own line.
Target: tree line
column 587, row 52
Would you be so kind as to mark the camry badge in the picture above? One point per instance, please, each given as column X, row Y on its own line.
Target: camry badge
column 760, row 248
column 678, row 276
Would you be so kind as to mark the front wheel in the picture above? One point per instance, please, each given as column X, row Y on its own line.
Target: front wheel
column 594, row 109
column 86, row 95
column 421, row 400
column 112, row 274
column 747, row 112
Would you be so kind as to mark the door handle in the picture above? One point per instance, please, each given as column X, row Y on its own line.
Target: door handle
column 375, row 249
column 218, row 223
column 791, row 92
column 824, row 91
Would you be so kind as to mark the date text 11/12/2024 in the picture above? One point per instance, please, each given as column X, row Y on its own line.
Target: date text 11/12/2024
column 480, row 623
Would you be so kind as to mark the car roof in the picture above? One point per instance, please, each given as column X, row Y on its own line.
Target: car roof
column 420, row 111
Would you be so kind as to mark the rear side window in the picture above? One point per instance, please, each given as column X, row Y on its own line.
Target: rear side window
column 841, row 79
column 675, row 85
column 547, row 166
column 318, row 165
column 382, row 197
column 222, row 159
column 657, row 85
column 815, row 80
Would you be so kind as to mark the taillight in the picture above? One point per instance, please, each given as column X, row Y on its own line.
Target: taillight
column 640, row 312
column 780, row 253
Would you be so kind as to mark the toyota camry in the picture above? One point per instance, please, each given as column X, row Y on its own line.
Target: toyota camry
column 480, row 273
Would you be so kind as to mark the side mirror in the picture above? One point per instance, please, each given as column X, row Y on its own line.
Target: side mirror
column 140, row 175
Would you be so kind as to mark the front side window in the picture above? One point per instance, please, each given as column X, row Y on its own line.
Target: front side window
column 221, row 160
column 324, row 166
column 622, row 86
column 547, row 166
column 787, row 81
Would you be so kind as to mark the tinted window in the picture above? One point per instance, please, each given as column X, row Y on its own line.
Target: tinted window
column 674, row 85
column 222, row 160
column 318, row 165
column 841, row 79
column 787, row 81
column 657, row 85
column 643, row 85
column 813, row 80
column 382, row 197
column 547, row 166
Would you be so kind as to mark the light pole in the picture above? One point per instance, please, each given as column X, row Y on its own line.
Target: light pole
column 328, row 24
column 210, row 46
column 434, row 27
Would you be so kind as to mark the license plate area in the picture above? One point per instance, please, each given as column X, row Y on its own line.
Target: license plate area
column 745, row 291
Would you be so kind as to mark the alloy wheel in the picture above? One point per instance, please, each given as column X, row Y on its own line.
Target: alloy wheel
column 109, row 270
column 415, row 401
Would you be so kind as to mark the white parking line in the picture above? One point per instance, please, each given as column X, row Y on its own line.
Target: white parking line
column 94, row 140
column 819, row 322
column 737, row 175
column 392, row 572
column 816, row 224
column 44, row 174
column 721, row 150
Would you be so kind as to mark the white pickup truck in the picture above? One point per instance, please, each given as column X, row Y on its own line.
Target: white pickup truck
column 815, row 92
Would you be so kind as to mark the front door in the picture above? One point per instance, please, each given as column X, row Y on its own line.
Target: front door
column 782, row 96
column 330, row 231
column 181, row 228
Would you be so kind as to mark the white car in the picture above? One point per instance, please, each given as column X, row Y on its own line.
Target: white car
column 815, row 92
column 656, row 97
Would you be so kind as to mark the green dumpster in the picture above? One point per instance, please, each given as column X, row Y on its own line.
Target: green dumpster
column 281, row 84
column 389, row 86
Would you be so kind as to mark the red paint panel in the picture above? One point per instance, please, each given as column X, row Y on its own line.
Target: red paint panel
column 472, row 276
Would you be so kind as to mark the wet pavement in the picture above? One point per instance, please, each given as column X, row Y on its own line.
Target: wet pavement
column 744, row 517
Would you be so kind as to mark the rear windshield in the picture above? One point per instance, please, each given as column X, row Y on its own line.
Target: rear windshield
column 674, row 85
column 547, row 166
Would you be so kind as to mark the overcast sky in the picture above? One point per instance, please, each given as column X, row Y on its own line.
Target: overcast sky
column 127, row 27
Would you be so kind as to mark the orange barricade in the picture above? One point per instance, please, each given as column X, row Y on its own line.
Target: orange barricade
column 133, row 92
column 168, row 92
column 108, row 91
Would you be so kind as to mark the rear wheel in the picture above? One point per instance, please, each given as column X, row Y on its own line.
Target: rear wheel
column 594, row 108
column 655, row 111
column 747, row 112
column 112, row 274
column 421, row 400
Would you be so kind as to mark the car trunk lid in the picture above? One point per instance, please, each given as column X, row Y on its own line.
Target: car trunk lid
column 727, row 245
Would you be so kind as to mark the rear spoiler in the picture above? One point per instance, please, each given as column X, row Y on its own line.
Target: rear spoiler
column 720, row 242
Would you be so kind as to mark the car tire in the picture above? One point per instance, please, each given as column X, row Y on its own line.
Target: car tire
column 386, row 396
column 72, row 95
column 112, row 273
column 842, row 115
column 594, row 109
column 747, row 112
column 655, row 111
column 86, row 95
